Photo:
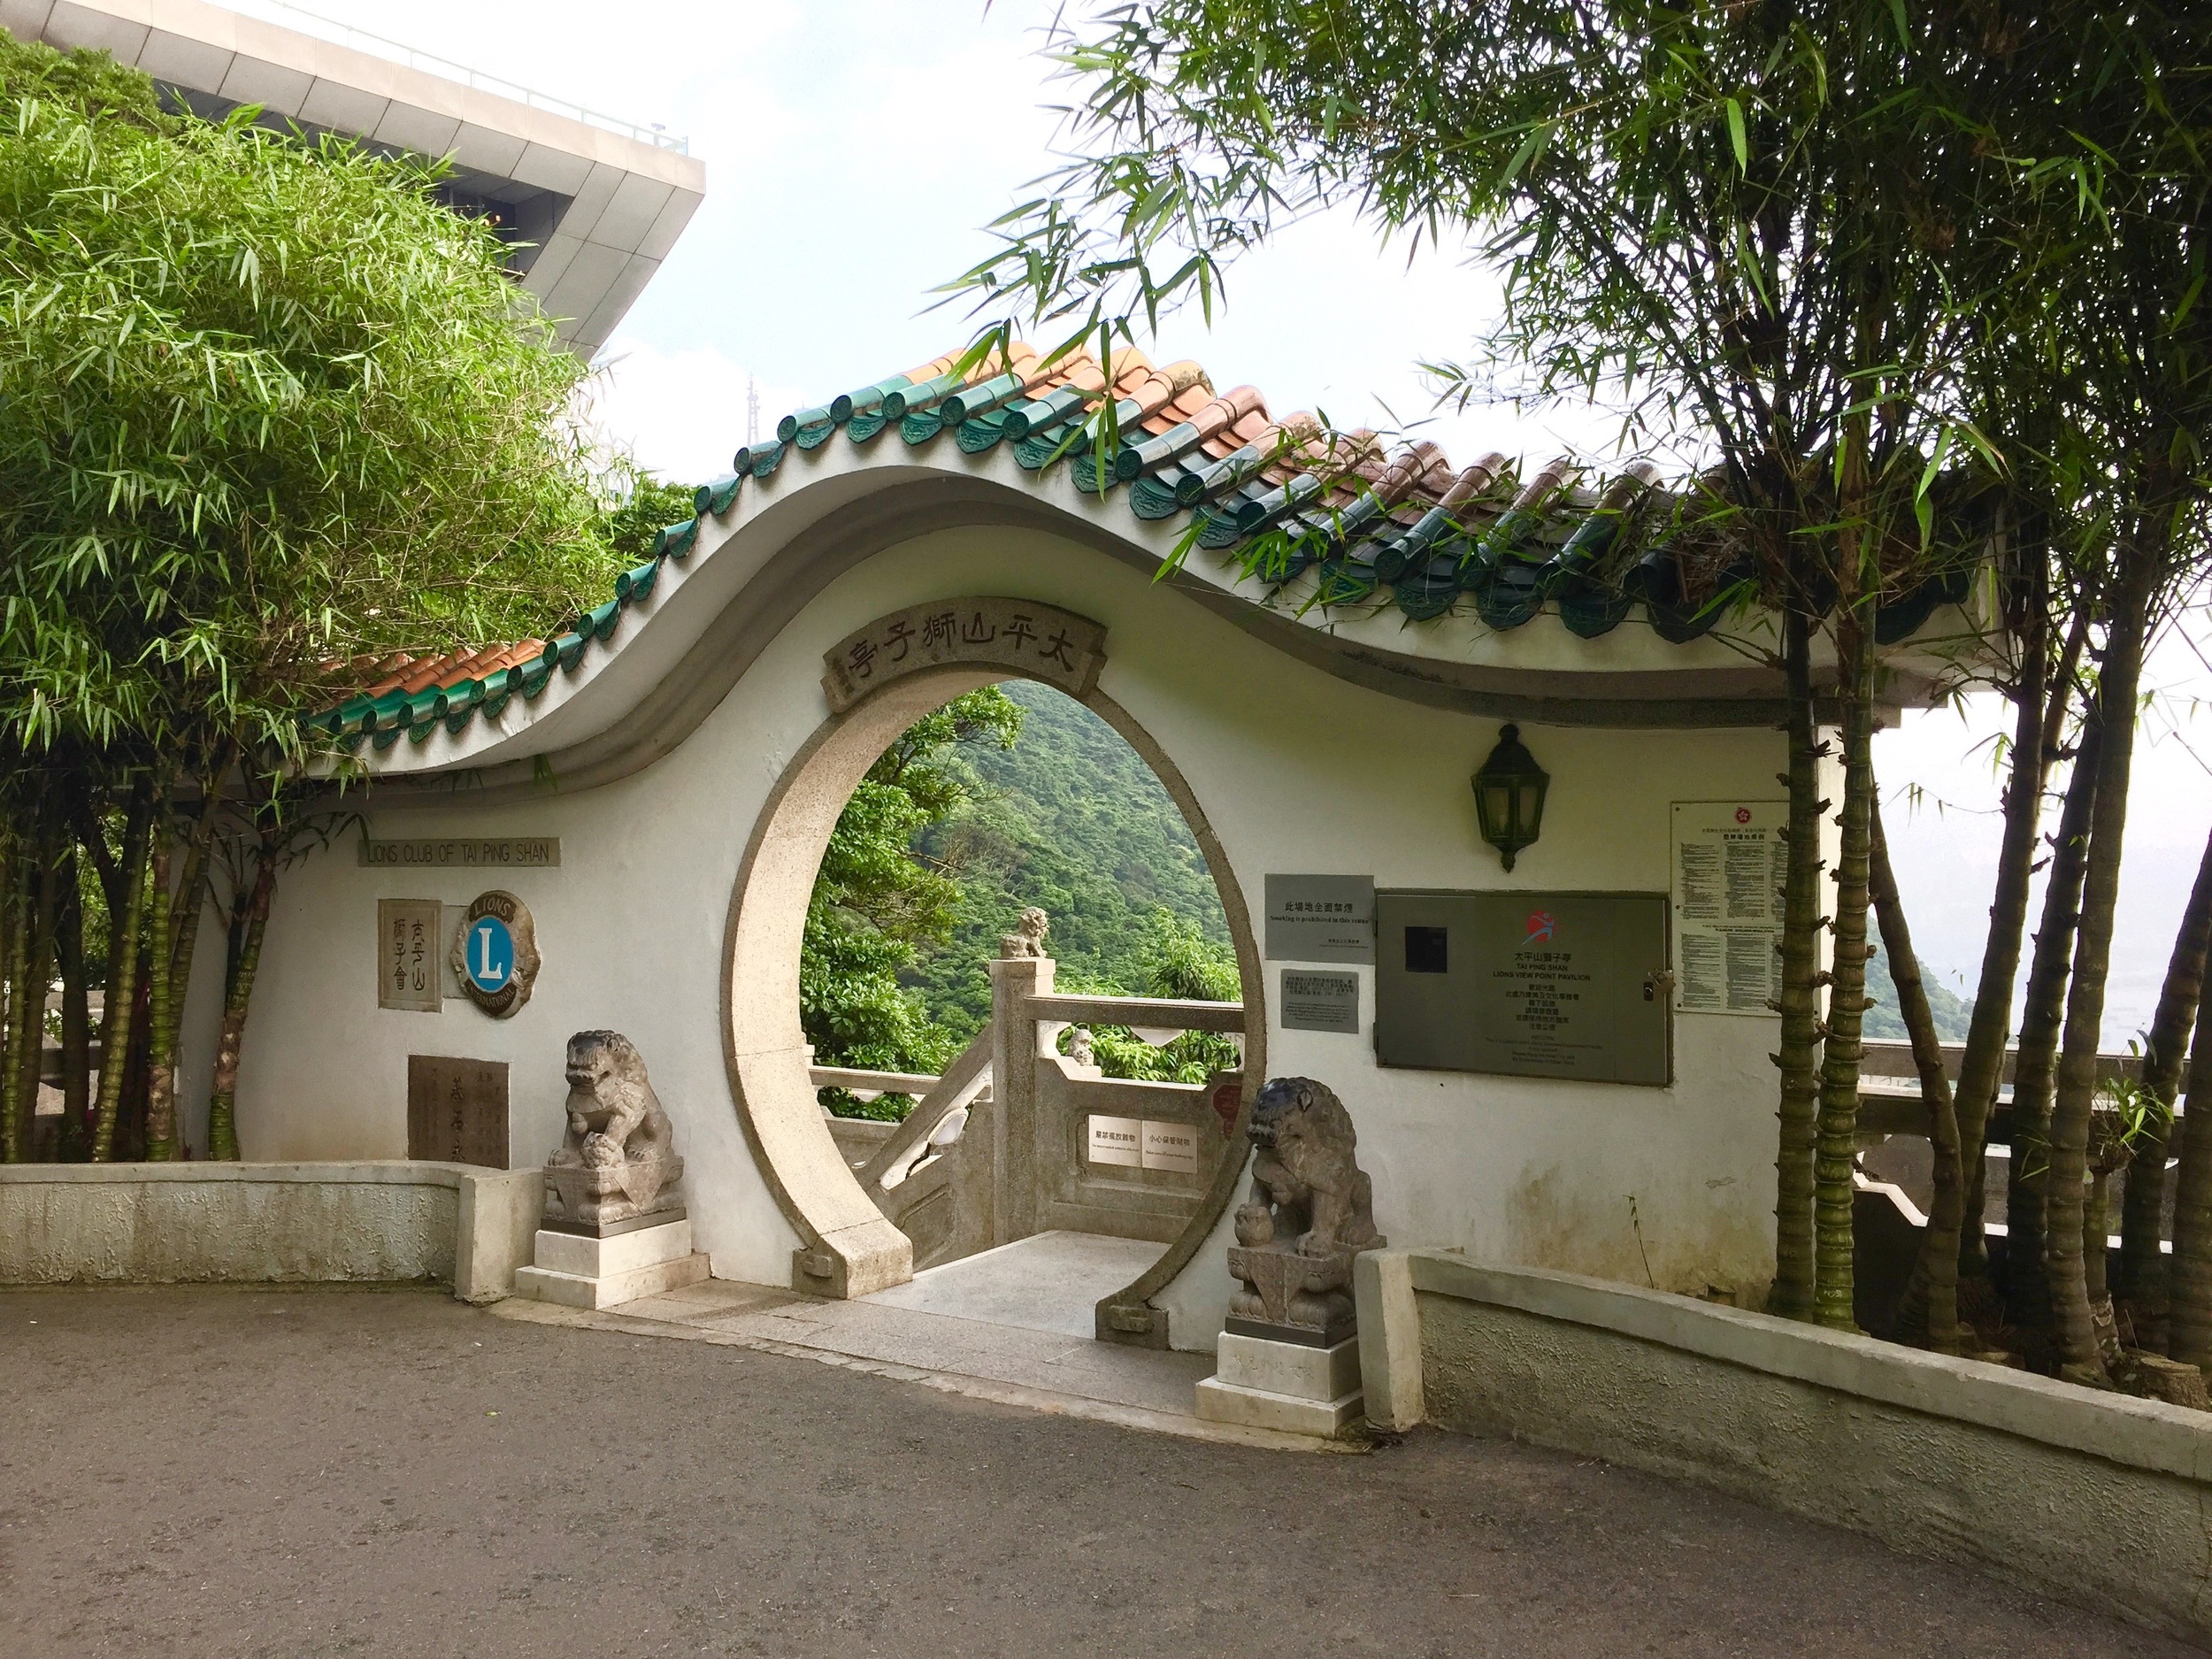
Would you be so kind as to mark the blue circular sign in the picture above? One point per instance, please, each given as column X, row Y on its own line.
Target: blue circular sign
column 490, row 956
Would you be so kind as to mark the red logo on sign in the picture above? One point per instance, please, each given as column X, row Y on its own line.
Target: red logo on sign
column 1743, row 815
column 1539, row 927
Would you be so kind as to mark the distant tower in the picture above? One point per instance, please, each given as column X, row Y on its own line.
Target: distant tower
column 752, row 411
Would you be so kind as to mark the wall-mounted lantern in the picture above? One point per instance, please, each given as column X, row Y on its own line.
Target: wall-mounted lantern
column 1510, row 795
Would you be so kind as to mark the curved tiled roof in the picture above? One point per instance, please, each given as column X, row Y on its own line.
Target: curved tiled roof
column 1371, row 527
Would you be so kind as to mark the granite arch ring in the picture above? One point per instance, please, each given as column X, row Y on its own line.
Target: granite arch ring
column 847, row 1247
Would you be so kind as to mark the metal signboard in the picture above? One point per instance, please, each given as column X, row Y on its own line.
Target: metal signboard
column 1566, row 985
column 1314, row 1000
column 1321, row 918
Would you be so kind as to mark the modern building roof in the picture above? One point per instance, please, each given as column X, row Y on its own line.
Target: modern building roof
column 594, row 204
column 1332, row 525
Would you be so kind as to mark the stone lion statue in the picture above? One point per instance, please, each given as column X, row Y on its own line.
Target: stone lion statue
column 1304, row 1180
column 1028, row 937
column 617, row 1161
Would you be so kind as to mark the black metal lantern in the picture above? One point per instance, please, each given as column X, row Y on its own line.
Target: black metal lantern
column 1510, row 795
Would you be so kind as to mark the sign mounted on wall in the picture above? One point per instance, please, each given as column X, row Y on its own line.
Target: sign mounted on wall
column 1057, row 647
column 1321, row 918
column 496, row 952
column 1568, row 985
column 481, row 852
column 407, row 934
column 1320, row 1002
column 1729, row 862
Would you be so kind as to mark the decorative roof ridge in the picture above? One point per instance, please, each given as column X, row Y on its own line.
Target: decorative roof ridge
column 1358, row 525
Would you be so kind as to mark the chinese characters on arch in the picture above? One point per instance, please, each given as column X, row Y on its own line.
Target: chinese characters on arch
column 1057, row 647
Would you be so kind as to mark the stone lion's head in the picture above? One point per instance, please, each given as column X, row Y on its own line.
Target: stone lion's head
column 602, row 1063
column 1292, row 1110
column 1034, row 924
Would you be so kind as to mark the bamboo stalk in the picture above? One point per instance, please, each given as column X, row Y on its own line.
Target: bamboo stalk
column 119, row 1025
column 1799, row 1056
column 2035, row 1072
column 2072, row 1322
column 1836, row 1158
column 76, row 1019
column 2043, row 699
column 222, row 1129
column 1940, row 1323
column 2142, row 1278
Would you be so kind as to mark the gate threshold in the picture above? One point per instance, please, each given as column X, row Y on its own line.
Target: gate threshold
column 911, row 1334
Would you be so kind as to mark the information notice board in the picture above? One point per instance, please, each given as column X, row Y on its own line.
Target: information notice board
column 1729, row 860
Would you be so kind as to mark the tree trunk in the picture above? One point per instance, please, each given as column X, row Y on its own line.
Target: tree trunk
column 2043, row 699
column 2142, row 1281
column 161, row 1082
column 173, row 963
column 76, row 1019
column 1837, row 1160
column 126, row 924
column 21, row 901
column 222, row 1128
column 1936, row 1308
column 2035, row 1073
column 2073, row 1326
column 1800, row 1056
column 2189, row 1275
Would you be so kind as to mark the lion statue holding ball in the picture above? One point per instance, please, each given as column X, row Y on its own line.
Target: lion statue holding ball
column 1304, row 1179
column 617, row 1160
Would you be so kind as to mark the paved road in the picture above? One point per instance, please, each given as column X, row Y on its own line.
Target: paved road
column 188, row 1472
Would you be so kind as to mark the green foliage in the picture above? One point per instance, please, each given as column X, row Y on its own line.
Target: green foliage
column 1953, row 1013
column 1069, row 819
column 646, row 506
column 90, row 82
column 1178, row 961
column 876, row 901
column 263, row 401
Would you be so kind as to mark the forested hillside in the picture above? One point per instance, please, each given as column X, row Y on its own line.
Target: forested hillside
column 1071, row 819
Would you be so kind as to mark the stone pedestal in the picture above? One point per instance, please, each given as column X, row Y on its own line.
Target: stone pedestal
column 578, row 1270
column 1293, row 1386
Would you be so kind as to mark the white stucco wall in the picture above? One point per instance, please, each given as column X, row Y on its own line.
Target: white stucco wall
column 1298, row 772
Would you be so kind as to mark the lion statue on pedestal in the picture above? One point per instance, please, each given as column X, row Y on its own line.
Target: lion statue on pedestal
column 617, row 1166
column 1311, row 1212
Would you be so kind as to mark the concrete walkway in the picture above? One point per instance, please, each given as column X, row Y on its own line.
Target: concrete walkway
column 1011, row 1324
column 307, row 1473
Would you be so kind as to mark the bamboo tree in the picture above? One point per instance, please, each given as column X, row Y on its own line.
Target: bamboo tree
column 76, row 1023
column 1837, row 1159
column 2189, row 1318
column 119, row 1027
column 2072, row 1325
column 1798, row 1058
column 2142, row 1282
column 2042, row 704
column 1939, row 1311
column 19, row 901
column 250, row 924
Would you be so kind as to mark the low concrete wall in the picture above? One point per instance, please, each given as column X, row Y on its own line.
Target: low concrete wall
column 268, row 1223
column 2095, row 1498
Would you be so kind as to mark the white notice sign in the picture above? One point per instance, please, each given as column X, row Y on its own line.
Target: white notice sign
column 1117, row 1140
column 1321, row 918
column 1729, row 862
column 1169, row 1146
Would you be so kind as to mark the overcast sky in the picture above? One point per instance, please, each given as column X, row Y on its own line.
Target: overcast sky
column 854, row 149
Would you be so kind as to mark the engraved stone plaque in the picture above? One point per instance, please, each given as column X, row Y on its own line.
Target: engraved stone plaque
column 1321, row 918
column 1055, row 646
column 1320, row 1002
column 407, row 941
column 1117, row 1141
column 457, row 1110
column 1566, row 985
